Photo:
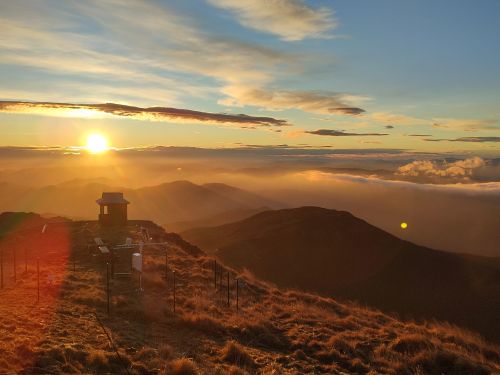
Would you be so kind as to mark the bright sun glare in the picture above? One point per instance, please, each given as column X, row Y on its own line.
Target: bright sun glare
column 96, row 144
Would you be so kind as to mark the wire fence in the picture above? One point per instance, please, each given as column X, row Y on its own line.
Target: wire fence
column 25, row 270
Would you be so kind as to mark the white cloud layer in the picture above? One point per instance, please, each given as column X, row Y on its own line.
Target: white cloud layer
column 430, row 168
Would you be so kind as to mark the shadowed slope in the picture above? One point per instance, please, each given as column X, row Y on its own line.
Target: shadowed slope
column 336, row 254
column 215, row 220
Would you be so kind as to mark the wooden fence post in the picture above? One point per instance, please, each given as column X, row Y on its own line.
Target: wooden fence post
column 112, row 263
column 166, row 264
column 38, row 279
column 220, row 279
column 1, row 268
column 174, row 291
column 237, row 294
column 107, row 287
column 215, row 274
column 227, row 288
column 15, row 265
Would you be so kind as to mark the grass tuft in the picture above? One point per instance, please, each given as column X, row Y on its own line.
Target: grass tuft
column 236, row 354
column 182, row 366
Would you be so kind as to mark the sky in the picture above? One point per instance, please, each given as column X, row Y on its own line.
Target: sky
column 418, row 75
column 389, row 109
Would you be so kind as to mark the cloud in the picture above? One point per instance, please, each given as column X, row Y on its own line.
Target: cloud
column 308, row 101
column 390, row 119
column 419, row 135
column 429, row 168
column 476, row 139
column 466, row 124
column 389, row 127
column 465, row 139
column 151, row 113
column 398, row 119
column 340, row 133
column 177, row 61
column 291, row 20
column 486, row 188
column 251, row 151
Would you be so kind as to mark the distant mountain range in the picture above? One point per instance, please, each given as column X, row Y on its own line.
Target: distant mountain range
column 337, row 254
column 215, row 220
column 173, row 204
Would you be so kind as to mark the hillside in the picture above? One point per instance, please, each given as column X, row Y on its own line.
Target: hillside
column 215, row 220
column 336, row 254
column 178, row 201
column 273, row 332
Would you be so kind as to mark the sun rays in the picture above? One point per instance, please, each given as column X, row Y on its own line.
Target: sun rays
column 96, row 144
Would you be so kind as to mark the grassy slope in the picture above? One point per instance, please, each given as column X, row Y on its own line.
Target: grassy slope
column 275, row 331
column 336, row 254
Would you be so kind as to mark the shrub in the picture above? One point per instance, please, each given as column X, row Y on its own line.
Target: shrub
column 358, row 366
column 444, row 362
column 145, row 354
column 235, row 354
column 202, row 322
column 165, row 351
column 182, row 366
column 233, row 370
column 342, row 345
column 98, row 360
column 411, row 344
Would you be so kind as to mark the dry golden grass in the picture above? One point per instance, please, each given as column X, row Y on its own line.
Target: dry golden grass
column 273, row 332
column 236, row 354
column 182, row 366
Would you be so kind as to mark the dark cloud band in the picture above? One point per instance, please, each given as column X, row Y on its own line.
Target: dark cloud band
column 154, row 113
column 341, row 133
column 466, row 139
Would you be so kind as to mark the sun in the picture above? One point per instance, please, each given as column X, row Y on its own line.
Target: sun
column 96, row 144
column 404, row 225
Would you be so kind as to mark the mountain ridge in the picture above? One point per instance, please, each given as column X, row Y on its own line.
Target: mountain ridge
column 177, row 201
column 336, row 254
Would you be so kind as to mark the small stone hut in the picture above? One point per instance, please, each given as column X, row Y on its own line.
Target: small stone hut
column 112, row 209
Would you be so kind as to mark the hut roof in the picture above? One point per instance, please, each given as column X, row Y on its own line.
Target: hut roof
column 112, row 198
